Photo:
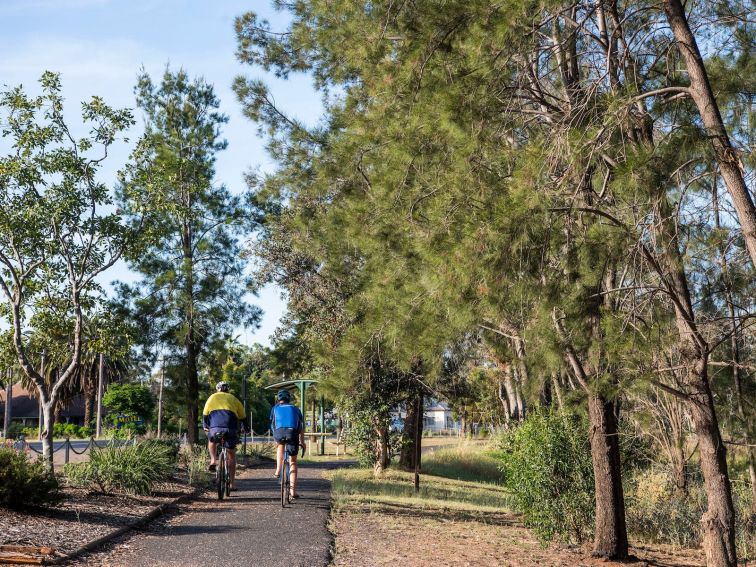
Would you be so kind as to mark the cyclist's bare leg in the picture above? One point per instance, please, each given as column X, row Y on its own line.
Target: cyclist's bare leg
column 211, row 450
column 232, row 467
column 279, row 458
column 293, row 473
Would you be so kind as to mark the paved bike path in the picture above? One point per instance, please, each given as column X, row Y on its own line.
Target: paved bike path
column 249, row 528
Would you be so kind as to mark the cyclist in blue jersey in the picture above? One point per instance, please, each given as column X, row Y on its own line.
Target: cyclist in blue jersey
column 287, row 425
column 223, row 413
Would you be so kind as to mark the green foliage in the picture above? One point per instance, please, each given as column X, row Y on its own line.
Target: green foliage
column 129, row 399
column 59, row 229
column 195, row 459
column 659, row 513
column 24, row 482
column 71, row 430
column 133, row 468
column 193, row 284
column 547, row 467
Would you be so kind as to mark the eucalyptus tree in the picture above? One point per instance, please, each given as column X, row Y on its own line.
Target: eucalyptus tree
column 194, row 282
column 58, row 228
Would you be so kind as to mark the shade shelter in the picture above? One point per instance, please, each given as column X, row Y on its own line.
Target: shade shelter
column 301, row 387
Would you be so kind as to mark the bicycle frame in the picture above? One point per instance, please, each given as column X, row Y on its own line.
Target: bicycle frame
column 222, row 474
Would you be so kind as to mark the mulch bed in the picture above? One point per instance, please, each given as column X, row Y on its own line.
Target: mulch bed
column 82, row 516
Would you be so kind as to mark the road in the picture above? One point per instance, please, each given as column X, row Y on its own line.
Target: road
column 250, row 528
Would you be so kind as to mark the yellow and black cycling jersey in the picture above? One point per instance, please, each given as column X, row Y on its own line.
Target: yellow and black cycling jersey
column 223, row 411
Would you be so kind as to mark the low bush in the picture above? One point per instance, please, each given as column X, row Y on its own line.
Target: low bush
column 30, row 432
column 262, row 450
column 547, row 468
column 71, row 430
column 14, row 431
column 195, row 460
column 132, row 468
column 659, row 513
column 25, row 482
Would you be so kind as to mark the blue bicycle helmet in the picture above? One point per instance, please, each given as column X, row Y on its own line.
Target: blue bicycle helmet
column 283, row 396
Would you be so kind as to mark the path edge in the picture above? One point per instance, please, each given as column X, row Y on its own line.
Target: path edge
column 156, row 512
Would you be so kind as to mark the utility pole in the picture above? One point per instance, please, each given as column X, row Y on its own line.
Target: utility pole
column 8, row 400
column 98, row 428
column 160, row 400
column 246, row 417
column 39, row 398
column 420, row 416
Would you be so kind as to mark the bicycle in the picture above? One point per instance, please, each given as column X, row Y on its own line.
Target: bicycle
column 285, row 477
column 222, row 476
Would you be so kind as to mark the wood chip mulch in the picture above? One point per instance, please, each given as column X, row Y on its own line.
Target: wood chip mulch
column 82, row 516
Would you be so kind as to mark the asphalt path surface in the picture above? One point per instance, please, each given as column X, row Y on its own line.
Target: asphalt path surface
column 249, row 528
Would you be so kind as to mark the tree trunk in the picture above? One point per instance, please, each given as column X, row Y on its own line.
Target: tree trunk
column 680, row 467
column 412, row 423
column 703, row 96
column 611, row 532
column 610, row 537
column 557, row 388
column 381, row 450
column 192, row 393
column 719, row 519
column 48, row 417
column 509, row 387
column 504, row 399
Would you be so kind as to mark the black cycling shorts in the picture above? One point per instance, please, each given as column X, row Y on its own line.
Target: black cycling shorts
column 289, row 437
column 229, row 441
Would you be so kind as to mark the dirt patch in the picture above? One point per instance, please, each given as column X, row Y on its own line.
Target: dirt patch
column 367, row 536
column 81, row 517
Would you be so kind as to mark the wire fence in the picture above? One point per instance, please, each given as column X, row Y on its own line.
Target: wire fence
column 68, row 446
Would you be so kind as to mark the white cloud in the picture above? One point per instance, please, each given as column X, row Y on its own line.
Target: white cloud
column 109, row 64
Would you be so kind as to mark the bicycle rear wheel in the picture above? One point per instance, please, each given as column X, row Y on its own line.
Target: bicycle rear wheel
column 288, row 481
column 221, row 475
column 283, row 483
column 227, row 468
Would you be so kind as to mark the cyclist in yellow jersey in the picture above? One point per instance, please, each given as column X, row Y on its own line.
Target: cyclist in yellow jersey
column 223, row 413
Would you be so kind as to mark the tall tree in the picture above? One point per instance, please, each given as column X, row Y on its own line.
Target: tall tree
column 193, row 283
column 57, row 231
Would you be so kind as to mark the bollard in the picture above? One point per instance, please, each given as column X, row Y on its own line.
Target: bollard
column 67, row 445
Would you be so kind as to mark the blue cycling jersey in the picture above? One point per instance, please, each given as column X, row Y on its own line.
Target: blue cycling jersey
column 286, row 416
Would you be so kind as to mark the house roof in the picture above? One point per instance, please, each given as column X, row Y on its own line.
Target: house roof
column 23, row 405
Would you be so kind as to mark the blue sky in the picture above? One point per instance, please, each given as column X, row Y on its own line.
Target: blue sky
column 99, row 46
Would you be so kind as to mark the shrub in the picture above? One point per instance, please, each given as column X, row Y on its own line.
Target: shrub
column 658, row 513
column 261, row 450
column 132, row 468
column 30, row 432
column 24, row 482
column 547, row 467
column 195, row 460
column 14, row 430
column 85, row 432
